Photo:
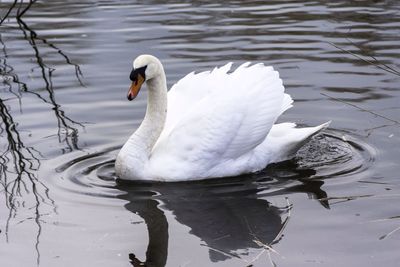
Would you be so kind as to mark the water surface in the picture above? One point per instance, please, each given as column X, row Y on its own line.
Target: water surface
column 64, row 74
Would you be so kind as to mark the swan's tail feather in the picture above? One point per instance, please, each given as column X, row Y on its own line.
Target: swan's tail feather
column 289, row 139
column 303, row 135
column 287, row 102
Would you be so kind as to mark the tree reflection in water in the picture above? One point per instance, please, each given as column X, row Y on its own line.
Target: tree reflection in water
column 19, row 162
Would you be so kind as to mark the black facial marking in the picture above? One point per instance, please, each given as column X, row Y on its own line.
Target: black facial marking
column 134, row 73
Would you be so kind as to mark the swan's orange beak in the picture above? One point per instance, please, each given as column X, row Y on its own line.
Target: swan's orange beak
column 135, row 87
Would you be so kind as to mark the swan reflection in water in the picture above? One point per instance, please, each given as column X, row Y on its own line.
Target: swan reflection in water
column 231, row 215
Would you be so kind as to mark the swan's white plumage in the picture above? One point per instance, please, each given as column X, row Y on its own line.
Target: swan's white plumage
column 221, row 123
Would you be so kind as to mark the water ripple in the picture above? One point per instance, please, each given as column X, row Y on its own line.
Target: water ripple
column 335, row 155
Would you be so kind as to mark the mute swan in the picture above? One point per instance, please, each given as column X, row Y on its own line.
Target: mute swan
column 218, row 124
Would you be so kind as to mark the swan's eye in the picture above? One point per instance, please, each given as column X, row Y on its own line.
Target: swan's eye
column 135, row 72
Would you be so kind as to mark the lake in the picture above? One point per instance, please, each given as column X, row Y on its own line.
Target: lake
column 64, row 76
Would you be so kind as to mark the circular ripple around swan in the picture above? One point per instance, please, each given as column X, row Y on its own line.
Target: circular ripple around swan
column 338, row 155
column 89, row 174
column 331, row 155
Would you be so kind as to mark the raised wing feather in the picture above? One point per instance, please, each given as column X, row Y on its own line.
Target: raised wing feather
column 229, row 118
column 260, row 100
column 189, row 90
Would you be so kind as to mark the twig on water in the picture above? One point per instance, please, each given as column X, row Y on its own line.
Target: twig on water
column 267, row 248
column 227, row 254
column 389, row 234
column 285, row 222
column 362, row 109
column 270, row 259
column 345, row 198
column 388, row 68
column 373, row 61
column 384, row 220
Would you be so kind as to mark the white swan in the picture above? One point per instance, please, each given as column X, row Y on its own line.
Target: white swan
column 218, row 124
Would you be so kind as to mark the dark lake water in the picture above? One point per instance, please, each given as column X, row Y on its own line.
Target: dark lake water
column 64, row 75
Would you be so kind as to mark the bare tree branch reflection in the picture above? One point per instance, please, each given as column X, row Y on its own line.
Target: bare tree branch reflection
column 19, row 162
column 67, row 132
column 8, row 11
column 78, row 72
column 18, row 165
column 20, row 12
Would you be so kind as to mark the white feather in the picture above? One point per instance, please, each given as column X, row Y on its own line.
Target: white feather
column 221, row 123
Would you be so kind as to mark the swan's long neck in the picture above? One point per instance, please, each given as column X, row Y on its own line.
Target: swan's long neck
column 135, row 153
column 153, row 123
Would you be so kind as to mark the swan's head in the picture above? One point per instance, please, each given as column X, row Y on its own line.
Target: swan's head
column 145, row 67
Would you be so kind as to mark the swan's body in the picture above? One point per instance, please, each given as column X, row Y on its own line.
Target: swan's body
column 217, row 124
